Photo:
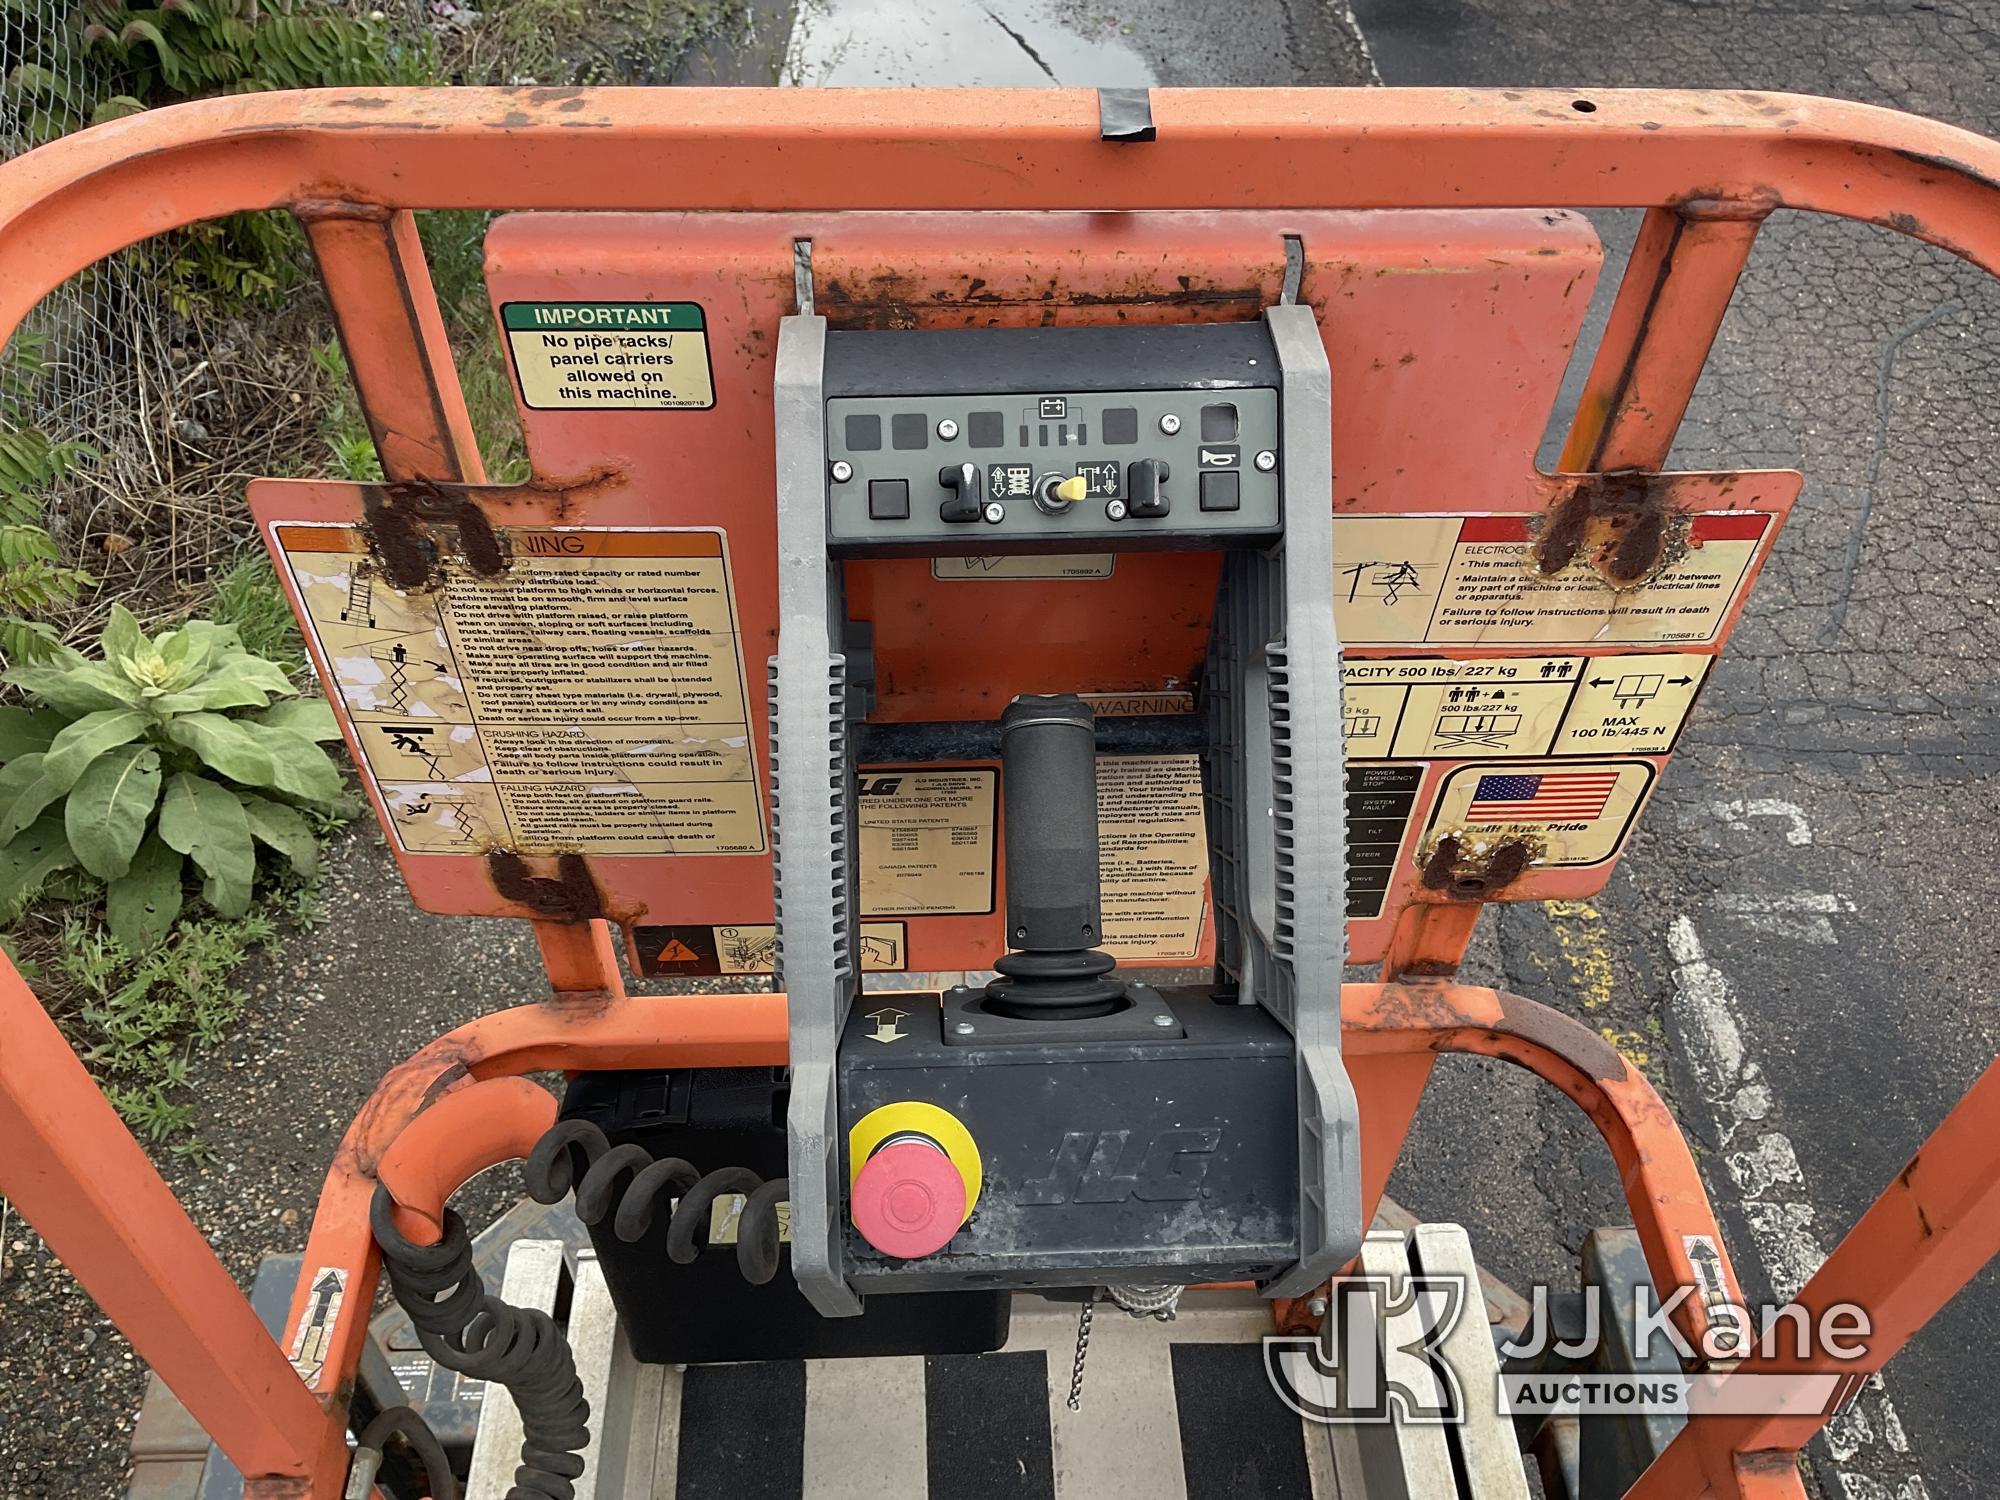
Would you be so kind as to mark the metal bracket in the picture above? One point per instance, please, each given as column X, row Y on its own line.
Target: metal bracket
column 802, row 276
column 812, row 801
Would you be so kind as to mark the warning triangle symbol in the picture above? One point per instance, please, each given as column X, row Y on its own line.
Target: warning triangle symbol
column 677, row 952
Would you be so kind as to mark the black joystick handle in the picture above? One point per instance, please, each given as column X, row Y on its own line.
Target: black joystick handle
column 1048, row 757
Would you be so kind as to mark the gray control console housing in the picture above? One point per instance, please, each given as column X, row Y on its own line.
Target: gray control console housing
column 1026, row 407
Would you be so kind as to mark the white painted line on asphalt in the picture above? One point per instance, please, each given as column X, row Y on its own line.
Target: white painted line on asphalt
column 1738, row 814
column 1765, row 1169
column 1804, row 916
column 1343, row 12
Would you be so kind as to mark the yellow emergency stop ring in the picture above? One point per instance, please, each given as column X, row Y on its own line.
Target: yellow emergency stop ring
column 911, row 1115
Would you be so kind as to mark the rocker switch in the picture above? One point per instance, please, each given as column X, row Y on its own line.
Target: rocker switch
column 1143, row 487
column 967, row 499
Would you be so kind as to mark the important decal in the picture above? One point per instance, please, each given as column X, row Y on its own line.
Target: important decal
column 1471, row 579
column 1397, row 708
column 1568, row 812
column 630, row 356
column 590, row 696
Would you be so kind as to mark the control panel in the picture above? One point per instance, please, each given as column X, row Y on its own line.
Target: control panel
column 1051, row 439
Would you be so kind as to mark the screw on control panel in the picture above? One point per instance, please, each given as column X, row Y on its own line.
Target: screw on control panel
column 1266, row 461
column 1170, row 424
column 963, row 1028
column 1163, row 1020
column 1114, row 510
column 1317, row 1307
column 842, row 471
column 995, row 512
column 947, row 429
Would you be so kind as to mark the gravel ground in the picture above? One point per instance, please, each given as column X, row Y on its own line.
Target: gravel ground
column 339, row 1005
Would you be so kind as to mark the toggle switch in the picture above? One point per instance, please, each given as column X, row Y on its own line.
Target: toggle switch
column 1143, row 488
column 1056, row 494
column 967, row 500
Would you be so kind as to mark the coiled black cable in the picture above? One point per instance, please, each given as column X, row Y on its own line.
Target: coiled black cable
column 626, row 1185
column 409, row 1425
column 464, row 1329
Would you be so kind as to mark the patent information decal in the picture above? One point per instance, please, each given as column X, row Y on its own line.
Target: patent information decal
column 926, row 841
column 589, row 697
column 628, row 356
column 1413, row 580
column 1570, row 812
column 1048, row 565
column 1396, row 708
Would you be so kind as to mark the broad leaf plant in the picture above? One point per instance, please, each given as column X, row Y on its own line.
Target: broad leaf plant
column 162, row 750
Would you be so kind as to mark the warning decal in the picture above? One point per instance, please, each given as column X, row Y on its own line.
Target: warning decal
column 1152, row 854
column 1047, row 565
column 1405, row 707
column 633, row 356
column 1572, row 812
column 1471, row 579
column 748, row 948
column 589, row 697
column 927, row 842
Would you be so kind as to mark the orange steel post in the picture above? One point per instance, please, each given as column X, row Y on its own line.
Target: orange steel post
column 385, row 308
column 393, row 334
column 77, row 1175
column 1676, row 288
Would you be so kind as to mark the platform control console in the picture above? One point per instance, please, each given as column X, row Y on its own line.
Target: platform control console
column 1051, row 439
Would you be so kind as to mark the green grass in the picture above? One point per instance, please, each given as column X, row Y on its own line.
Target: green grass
column 141, row 1017
column 249, row 597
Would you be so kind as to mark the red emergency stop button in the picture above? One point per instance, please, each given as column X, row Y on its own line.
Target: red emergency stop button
column 908, row 1199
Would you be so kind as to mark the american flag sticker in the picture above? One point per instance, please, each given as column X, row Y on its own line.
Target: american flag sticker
column 1542, row 797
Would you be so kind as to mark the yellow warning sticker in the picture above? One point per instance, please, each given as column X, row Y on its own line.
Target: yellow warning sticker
column 752, row 948
column 1569, row 812
column 1426, row 707
column 725, row 1217
column 1046, row 565
column 630, row 356
column 1434, row 580
column 1152, row 854
column 589, row 697
column 927, row 841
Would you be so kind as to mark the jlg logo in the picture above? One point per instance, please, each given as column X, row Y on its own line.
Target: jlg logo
column 1097, row 1167
column 880, row 786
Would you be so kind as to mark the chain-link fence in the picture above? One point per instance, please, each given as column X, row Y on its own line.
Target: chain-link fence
column 174, row 362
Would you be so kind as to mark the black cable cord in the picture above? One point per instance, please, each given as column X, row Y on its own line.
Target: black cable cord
column 626, row 1185
column 406, row 1423
column 478, row 1335
column 464, row 1329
